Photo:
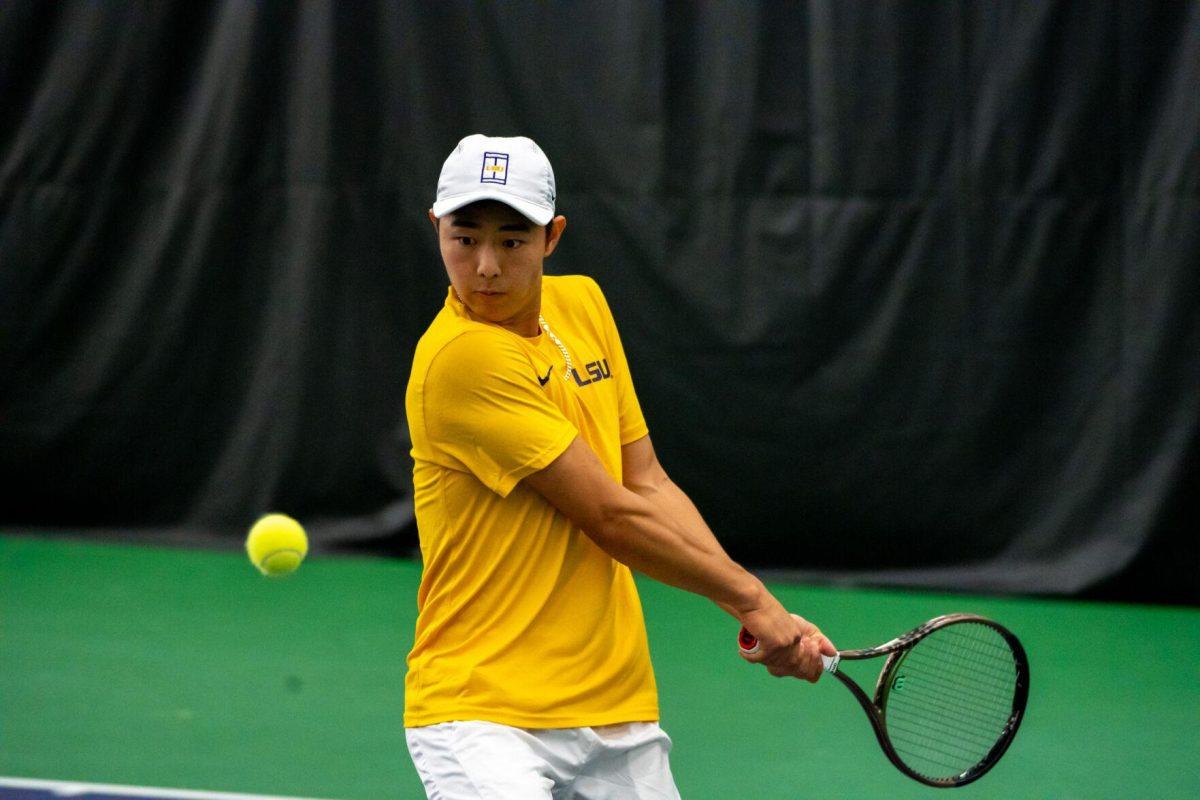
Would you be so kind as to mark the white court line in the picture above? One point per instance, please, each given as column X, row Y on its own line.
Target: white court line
column 73, row 789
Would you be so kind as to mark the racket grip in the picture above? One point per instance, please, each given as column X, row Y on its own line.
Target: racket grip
column 748, row 644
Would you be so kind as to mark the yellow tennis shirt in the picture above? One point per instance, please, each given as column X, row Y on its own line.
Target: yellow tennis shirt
column 522, row 619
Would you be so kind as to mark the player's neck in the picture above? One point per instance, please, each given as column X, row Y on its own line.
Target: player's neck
column 524, row 324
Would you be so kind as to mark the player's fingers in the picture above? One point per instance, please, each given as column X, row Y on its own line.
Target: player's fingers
column 813, row 666
column 802, row 670
column 783, row 661
column 794, row 663
column 795, row 660
column 811, row 631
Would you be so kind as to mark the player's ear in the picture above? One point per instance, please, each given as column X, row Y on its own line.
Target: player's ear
column 554, row 232
column 433, row 219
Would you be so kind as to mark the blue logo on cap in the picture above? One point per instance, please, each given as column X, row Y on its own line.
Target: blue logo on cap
column 495, row 168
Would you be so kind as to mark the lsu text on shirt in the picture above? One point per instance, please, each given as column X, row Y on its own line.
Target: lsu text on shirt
column 522, row 619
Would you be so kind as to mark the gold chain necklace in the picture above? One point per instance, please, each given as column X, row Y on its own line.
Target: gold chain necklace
column 562, row 348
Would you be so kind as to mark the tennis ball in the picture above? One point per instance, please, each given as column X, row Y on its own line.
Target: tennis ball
column 276, row 544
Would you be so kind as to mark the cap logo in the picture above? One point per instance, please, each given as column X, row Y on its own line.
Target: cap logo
column 495, row 168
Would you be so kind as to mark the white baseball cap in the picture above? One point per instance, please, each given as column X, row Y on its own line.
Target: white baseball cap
column 513, row 170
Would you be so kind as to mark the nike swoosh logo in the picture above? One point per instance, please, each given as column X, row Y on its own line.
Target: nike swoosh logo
column 543, row 381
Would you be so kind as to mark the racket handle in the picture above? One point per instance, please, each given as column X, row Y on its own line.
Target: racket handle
column 748, row 644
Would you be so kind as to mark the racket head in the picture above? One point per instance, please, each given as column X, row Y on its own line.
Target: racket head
column 950, row 698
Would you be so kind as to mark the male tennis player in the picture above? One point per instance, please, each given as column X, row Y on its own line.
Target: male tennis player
column 537, row 490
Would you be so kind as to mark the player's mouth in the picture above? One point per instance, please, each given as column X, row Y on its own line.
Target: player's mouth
column 489, row 293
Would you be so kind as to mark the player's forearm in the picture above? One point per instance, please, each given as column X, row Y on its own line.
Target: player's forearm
column 644, row 535
column 648, row 537
column 666, row 495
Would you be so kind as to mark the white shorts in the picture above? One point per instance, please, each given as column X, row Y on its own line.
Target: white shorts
column 489, row 761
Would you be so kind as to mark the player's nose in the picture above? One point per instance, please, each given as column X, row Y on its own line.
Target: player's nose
column 488, row 265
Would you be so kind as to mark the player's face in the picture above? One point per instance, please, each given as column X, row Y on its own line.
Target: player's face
column 494, row 257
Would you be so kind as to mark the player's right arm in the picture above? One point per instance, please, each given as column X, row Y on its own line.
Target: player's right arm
column 481, row 408
column 645, row 537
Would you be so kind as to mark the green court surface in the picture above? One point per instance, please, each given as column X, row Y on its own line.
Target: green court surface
column 177, row 668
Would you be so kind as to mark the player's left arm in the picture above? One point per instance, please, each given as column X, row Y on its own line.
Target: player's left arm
column 642, row 474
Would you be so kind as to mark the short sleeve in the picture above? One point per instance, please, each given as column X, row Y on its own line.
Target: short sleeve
column 484, row 408
column 633, row 424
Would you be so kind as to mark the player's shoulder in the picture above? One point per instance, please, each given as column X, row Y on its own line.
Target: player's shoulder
column 448, row 326
column 572, row 284
column 576, row 290
column 468, row 348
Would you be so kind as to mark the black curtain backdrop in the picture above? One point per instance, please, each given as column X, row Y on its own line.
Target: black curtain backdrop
column 910, row 289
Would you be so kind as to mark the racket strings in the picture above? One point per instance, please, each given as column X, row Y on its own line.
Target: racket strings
column 959, row 678
column 967, row 739
column 951, row 699
column 936, row 717
column 931, row 740
column 947, row 716
column 965, row 743
column 947, row 702
column 950, row 760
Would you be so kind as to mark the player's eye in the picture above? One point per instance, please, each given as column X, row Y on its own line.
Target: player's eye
column 513, row 244
column 464, row 240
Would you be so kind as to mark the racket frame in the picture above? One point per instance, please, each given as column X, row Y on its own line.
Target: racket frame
column 895, row 651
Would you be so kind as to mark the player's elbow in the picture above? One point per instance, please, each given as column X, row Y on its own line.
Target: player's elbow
column 647, row 485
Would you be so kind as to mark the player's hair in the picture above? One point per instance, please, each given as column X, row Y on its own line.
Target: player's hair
column 549, row 226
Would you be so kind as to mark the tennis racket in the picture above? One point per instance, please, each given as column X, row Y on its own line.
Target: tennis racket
column 949, row 698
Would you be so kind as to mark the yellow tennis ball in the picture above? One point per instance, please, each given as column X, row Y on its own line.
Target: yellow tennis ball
column 276, row 544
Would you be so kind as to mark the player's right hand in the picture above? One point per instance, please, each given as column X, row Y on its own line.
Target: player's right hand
column 789, row 645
